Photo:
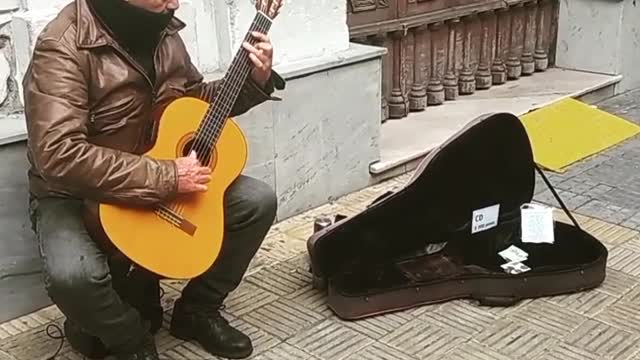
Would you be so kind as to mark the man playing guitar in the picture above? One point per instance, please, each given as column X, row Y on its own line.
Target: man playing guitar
column 98, row 71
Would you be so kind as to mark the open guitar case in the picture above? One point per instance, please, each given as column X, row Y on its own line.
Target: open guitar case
column 415, row 246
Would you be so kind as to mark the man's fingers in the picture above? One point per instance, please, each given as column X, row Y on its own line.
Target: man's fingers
column 252, row 50
column 203, row 179
column 265, row 60
column 260, row 36
column 200, row 188
column 280, row 7
column 256, row 61
column 265, row 47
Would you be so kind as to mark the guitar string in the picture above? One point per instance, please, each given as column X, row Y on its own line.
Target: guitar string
column 169, row 213
column 211, row 110
column 208, row 134
column 205, row 136
column 205, row 132
column 234, row 86
column 261, row 24
column 168, row 218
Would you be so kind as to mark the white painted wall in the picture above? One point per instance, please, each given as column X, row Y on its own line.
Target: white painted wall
column 304, row 30
column 601, row 36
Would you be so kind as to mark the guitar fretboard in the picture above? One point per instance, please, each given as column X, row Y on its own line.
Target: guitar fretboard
column 228, row 92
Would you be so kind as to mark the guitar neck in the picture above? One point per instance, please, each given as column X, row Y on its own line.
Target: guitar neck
column 233, row 81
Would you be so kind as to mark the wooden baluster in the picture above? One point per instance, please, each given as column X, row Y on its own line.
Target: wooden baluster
column 514, row 68
column 552, row 36
column 498, row 69
column 528, row 65
column 474, row 27
column 435, row 89
column 540, row 56
column 458, row 46
column 483, row 73
column 397, row 102
column 407, row 54
column 418, row 93
column 450, row 78
column 467, row 82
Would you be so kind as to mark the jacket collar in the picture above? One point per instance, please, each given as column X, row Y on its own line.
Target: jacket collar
column 92, row 33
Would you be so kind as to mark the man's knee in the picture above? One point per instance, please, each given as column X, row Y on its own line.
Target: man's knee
column 252, row 201
column 265, row 202
column 70, row 280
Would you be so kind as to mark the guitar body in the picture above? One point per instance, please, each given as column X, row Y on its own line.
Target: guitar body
column 184, row 240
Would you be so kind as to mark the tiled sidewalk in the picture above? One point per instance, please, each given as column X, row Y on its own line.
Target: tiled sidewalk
column 287, row 319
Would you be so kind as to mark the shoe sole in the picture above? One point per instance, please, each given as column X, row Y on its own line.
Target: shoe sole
column 90, row 352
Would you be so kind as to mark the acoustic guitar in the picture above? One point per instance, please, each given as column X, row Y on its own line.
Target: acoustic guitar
column 183, row 238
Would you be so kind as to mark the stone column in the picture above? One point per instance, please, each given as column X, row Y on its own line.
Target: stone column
column 435, row 88
column 418, row 93
column 467, row 82
column 540, row 56
column 514, row 67
column 483, row 73
column 498, row 69
column 398, row 104
column 451, row 77
column 528, row 65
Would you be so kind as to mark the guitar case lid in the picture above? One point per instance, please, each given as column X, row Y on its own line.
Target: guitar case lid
column 485, row 168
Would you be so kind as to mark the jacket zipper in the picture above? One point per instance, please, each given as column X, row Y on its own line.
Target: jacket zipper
column 147, row 131
column 135, row 64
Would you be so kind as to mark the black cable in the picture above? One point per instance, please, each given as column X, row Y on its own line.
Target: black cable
column 55, row 337
column 60, row 335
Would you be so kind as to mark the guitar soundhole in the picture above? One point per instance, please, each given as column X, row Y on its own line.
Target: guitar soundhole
column 205, row 155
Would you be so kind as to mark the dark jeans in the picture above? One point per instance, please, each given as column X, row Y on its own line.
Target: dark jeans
column 79, row 280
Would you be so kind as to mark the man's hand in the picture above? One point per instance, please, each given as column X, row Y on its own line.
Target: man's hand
column 192, row 176
column 261, row 54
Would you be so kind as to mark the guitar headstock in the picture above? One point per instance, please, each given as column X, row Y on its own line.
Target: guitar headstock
column 270, row 8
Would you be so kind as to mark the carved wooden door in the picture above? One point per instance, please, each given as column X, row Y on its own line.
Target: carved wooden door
column 370, row 11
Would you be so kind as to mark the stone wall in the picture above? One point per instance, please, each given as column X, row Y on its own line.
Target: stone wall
column 214, row 30
column 601, row 36
column 9, row 99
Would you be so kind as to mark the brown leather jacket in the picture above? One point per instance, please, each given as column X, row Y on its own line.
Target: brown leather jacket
column 89, row 108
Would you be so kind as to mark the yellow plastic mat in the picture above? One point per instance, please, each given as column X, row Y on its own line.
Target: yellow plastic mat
column 569, row 130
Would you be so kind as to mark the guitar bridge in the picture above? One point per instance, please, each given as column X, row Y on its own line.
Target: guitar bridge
column 175, row 219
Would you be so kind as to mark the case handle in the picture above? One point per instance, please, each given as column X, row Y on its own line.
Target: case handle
column 555, row 194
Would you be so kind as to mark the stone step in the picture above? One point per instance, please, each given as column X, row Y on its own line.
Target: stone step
column 404, row 142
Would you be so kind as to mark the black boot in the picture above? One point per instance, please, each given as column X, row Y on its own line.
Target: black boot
column 146, row 351
column 210, row 330
column 140, row 289
column 143, row 293
column 87, row 345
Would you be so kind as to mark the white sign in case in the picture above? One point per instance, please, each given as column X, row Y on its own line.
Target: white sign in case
column 485, row 218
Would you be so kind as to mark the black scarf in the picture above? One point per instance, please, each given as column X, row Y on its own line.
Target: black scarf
column 137, row 30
